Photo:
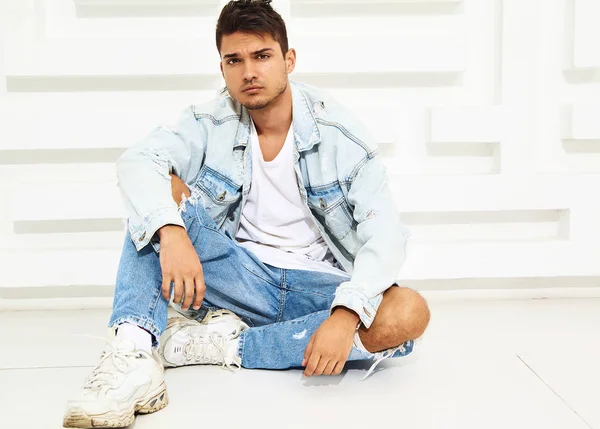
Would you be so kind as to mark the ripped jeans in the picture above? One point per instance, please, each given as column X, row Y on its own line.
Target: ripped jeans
column 282, row 307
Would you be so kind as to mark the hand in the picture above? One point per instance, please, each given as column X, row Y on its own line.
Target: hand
column 330, row 345
column 180, row 264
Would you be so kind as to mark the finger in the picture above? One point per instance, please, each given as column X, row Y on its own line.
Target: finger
column 321, row 366
column 178, row 290
column 312, row 364
column 200, row 289
column 166, row 287
column 189, row 293
column 339, row 367
column 329, row 368
column 308, row 351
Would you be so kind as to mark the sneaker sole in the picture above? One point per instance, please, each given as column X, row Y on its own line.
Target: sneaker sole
column 76, row 417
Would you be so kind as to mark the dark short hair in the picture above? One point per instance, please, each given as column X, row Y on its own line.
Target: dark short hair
column 251, row 16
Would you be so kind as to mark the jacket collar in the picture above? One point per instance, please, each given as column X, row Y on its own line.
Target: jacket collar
column 306, row 132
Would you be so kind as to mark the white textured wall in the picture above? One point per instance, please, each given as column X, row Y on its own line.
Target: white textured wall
column 487, row 112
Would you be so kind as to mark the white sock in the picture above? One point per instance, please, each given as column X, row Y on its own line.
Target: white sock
column 140, row 337
column 358, row 343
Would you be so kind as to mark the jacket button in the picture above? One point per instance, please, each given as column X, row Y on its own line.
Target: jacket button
column 222, row 196
column 366, row 312
column 142, row 237
column 323, row 203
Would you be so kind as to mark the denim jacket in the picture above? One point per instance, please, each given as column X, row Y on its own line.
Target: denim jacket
column 339, row 171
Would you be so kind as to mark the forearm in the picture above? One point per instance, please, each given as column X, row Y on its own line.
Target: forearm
column 383, row 251
column 145, row 187
column 376, row 268
column 346, row 316
column 145, row 175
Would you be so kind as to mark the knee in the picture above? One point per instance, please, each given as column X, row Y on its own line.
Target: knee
column 178, row 188
column 407, row 311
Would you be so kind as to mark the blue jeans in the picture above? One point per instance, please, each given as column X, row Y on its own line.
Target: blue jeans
column 282, row 307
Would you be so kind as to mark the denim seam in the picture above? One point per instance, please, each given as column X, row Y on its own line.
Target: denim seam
column 331, row 208
column 148, row 219
column 260, row 277
column 144, row 226
column 221, row 176
column 186, row 217
column 358, row 167
column 214, row 198
column 155, row 303
column 364, row 303
column 242, row 340
column 347, row 133
column 214, row 120
column 324, row 187
column 282, row 294
column 310, row 293
column 349, row 216
column 297, row 321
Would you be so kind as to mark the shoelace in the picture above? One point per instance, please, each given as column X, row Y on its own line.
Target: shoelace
column 112, row 357
column 383, row 356
column 103, row 374
column 197, row 350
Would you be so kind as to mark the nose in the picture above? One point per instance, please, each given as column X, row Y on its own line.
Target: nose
column 249, row 71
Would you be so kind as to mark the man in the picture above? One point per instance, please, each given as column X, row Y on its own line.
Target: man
column 265, row 216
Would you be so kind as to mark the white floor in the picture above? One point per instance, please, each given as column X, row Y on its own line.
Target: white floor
column 482, row 364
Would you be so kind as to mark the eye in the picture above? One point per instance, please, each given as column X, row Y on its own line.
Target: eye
column 232, row 61
column 262, row 56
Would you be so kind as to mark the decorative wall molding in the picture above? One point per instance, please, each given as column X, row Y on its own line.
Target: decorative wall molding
column 485, row 112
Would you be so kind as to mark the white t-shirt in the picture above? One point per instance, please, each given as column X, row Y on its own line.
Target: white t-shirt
column 275, row 224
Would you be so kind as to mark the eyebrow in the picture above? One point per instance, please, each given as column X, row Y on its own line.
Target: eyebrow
column 235, row 54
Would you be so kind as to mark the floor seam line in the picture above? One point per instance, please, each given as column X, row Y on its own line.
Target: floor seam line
column 24, row 368
column 555, row 392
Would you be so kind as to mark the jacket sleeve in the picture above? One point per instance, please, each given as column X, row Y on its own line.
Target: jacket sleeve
column 383, row 237
column 143, row 175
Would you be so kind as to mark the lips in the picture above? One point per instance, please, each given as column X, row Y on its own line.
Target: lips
column 252, row 88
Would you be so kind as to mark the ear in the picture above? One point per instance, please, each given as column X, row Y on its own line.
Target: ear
column 221, row 67
column 290, row 60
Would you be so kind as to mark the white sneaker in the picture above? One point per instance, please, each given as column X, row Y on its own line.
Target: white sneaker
column 401, row 351
column 212, row 341
column 125, row 382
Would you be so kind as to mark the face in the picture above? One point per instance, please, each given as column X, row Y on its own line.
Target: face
column 254, row 68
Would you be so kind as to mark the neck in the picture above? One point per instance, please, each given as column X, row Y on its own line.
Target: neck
column 276, row 118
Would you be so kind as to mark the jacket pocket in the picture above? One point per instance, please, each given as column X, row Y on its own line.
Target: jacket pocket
column 330, row 207
column 218, row 193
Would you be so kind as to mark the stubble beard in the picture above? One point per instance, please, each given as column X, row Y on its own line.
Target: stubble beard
column 261, row 104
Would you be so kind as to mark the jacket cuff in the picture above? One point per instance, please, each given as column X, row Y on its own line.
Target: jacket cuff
column 349, row 296
column 144, row 231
